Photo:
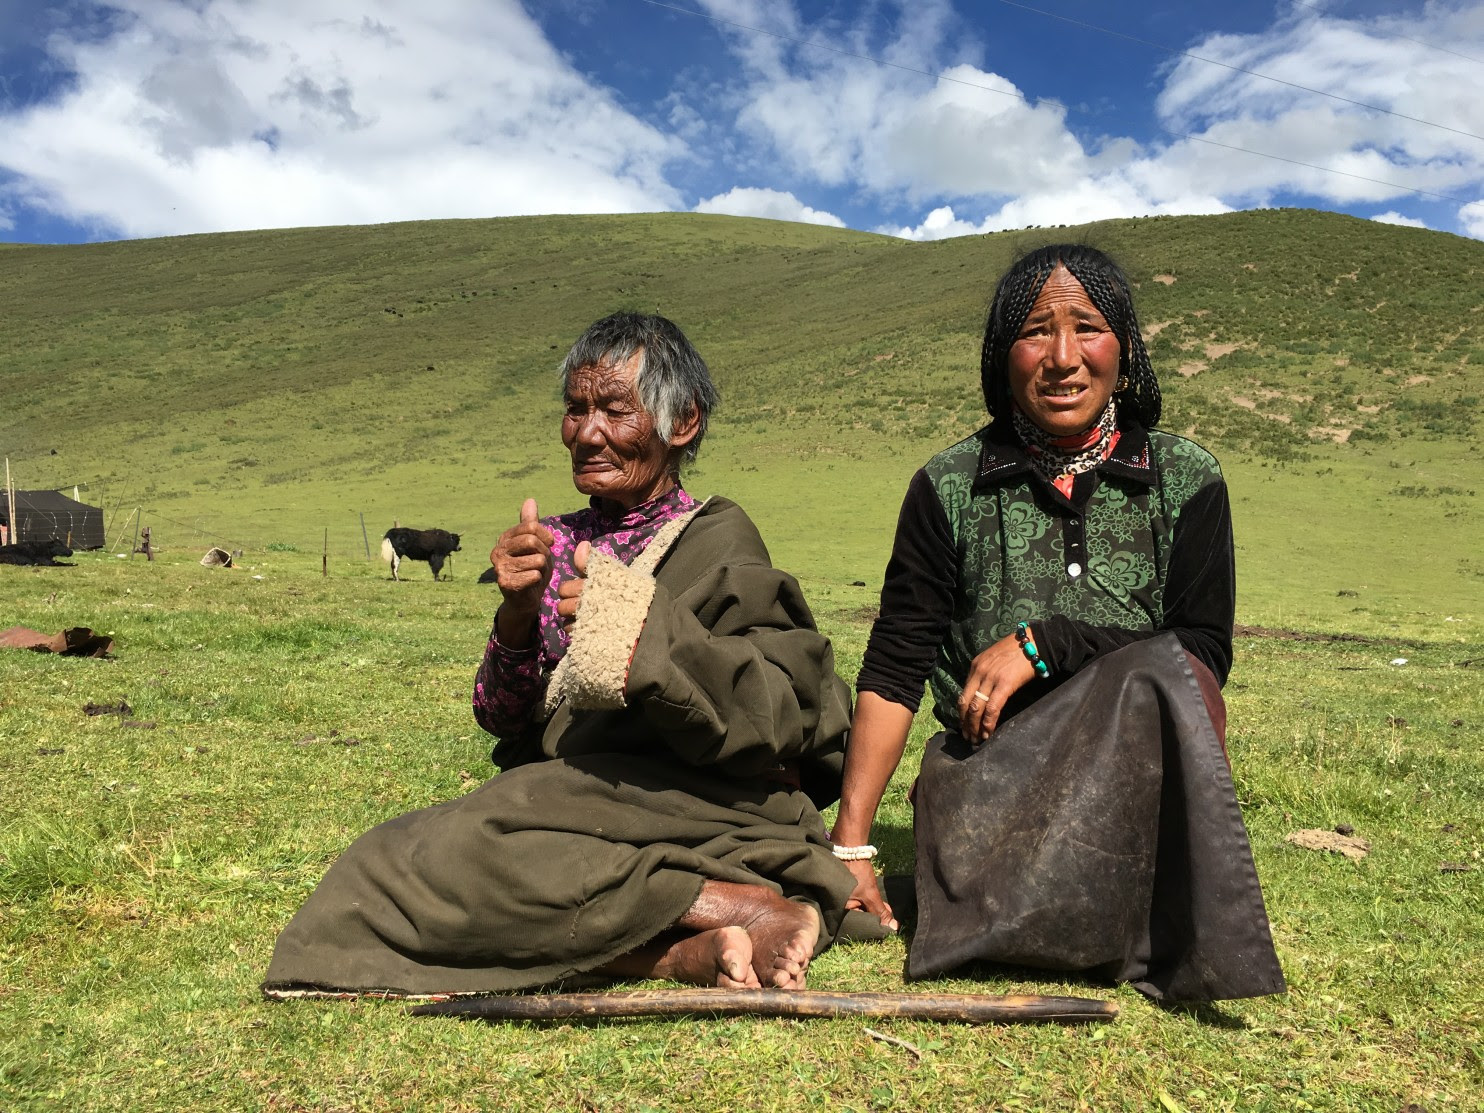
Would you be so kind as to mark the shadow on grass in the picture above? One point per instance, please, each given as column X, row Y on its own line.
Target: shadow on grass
column 1205, row 1013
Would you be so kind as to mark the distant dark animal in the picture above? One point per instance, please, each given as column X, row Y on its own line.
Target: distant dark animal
column 431, row 545
column 35, row 552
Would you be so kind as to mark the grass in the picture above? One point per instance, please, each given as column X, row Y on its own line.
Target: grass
column 147, row 862
column 280, row 392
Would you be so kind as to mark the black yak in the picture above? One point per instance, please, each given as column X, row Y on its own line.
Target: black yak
column 431, row 545
column 35, row 552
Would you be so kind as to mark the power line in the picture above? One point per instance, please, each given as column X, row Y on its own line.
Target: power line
column 1026, row 100
column 1316, row 166
column 1237, row 69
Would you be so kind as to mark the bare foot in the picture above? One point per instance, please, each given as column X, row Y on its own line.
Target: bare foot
column 718, row 957
column 783, row 935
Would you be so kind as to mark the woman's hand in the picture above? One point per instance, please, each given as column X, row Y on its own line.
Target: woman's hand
column 569, row 592
column 523, row 563
column 996, row 675
column 867, row 893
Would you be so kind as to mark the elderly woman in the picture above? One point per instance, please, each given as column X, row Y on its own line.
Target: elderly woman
column 1063, row 581
column 669, row 721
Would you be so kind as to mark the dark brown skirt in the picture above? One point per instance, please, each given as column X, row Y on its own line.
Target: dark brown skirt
column 1098, row 831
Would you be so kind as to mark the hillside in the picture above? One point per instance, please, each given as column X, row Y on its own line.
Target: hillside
column 266, row 388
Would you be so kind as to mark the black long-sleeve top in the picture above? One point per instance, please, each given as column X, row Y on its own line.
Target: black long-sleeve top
column 1142, row 546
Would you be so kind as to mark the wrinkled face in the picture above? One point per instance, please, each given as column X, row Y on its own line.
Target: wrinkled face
column 616, row 454
column 1063, row 365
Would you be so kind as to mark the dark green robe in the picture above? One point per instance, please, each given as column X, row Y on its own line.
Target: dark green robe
column 607, row 818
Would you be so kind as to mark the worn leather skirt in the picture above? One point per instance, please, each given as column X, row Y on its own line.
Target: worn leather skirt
column 1098, row 831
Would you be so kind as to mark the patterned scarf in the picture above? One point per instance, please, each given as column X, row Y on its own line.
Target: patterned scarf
column 1056, row 457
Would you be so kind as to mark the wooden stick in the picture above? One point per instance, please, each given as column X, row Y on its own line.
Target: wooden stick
column 967, row 1008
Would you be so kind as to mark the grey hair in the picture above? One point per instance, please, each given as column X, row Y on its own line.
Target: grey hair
column 673, row 380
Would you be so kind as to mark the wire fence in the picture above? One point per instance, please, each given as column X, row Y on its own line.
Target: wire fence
column 348, row 537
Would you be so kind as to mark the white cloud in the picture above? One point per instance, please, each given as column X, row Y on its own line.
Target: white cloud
column 199, row 115
column 1398, row 218
column 1471, row 219
column 973, row 140
column 1376, row 62
column 940, row 224
column 1079, row 203
column 890, row 130
column 768, row 203
column 232, row 114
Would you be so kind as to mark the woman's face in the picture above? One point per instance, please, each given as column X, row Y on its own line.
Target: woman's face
column 1064, row 363
column 616, row 454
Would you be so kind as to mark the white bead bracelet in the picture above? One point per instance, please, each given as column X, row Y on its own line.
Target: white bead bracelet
column 853, row 853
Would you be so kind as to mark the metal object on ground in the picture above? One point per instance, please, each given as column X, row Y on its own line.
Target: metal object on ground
column 967, row 1008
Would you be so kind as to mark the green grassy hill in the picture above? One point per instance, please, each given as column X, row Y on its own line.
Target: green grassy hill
column 265, row 390
column 268, row 388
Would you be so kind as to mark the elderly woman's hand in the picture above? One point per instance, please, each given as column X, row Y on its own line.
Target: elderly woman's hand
column 523, row 563
column 569, row 592
column 996, row 674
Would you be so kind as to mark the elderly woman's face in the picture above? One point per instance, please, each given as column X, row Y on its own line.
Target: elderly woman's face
column 1064, row 363
column 616, row 454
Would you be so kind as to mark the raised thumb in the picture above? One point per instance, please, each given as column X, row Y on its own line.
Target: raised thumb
column 528, row 511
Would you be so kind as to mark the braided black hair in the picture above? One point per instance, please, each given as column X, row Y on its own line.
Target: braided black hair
column 1108, row 289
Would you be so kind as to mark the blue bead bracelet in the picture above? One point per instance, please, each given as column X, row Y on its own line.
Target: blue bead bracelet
column 1028, row 647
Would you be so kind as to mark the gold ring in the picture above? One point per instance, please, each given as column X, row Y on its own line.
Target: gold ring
column 980, row 695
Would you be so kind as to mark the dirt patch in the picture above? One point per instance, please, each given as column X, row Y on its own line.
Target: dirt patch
column 1216, row 351
column 1241, row 631
column 1249, row 266
column 1416, row 380
column 882, row 356
column 1245, row 403
column 1351, row 846
column 1151, row 331
column 1167, row 279
column 1193, row 368
column 1200, row 312
column 1340, row 434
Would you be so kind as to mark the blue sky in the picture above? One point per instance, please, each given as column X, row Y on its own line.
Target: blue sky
column 919, row 118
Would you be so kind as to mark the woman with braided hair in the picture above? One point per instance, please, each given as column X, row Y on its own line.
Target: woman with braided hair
column 1063, row 582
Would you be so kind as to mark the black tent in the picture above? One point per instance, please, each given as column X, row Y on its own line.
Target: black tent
column 41, row 515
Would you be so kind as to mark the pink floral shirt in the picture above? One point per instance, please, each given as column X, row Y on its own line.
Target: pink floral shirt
column 511, row 683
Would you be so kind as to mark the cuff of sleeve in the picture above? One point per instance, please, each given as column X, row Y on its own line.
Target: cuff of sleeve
column 894, row 694
column 615, row 603
column 1053, row 635
column 512, row 656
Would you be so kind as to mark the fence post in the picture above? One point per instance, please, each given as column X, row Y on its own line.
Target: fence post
column 10, row 505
